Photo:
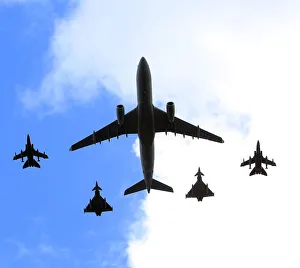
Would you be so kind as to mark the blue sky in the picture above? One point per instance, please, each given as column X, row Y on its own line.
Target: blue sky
column 43, row 224
column 231, row 67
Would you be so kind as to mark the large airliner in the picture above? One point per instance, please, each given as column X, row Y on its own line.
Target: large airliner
column 146, row 120
column 258, row 160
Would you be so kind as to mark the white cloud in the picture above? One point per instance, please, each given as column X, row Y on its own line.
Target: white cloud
column 240, row 61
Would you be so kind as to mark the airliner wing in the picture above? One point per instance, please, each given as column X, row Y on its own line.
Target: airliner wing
column 181, row 127
column 130, row 126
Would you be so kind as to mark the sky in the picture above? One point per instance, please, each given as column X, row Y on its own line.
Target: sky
column 231, row 68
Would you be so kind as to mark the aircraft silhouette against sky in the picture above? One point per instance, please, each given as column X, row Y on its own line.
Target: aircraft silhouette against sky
column 258, row 160
column 199, row 189
column 98, row 204
column 146, row 120
column 30, row 152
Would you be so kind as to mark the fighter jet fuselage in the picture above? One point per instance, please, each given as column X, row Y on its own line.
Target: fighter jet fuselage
column 199, row 190
column 258, row 159
column 98, row 204
column 29, row 148
column 30, row 152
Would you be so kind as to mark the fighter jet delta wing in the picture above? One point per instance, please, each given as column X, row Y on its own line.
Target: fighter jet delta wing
column 98, row 204
column 199, row 190
column 167, row 122
column 124, row 125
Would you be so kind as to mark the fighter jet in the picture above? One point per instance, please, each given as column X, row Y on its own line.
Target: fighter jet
column 30, row 152
column 98, row 204
column 258, row 159
column 146, row 120
column 199, row 189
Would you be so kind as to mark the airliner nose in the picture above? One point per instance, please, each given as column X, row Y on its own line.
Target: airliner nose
column 143, row 61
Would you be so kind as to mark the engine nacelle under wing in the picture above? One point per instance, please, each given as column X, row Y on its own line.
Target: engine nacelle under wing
column 170, row 111
column 120, row 114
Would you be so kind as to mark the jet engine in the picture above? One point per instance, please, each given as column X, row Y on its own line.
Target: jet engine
column 37, row 151
column 170, row 111
column 266, row 162
column 22, row 156
column 120, row 114
column 249, row 162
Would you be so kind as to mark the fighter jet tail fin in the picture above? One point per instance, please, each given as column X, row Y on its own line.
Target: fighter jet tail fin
column 26, row 164
column 263, row 172
column 258, row 171
column 36, row 164
column 141, row 185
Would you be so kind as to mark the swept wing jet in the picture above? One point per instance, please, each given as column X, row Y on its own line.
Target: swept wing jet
column 146, row 120
column 258, row 160
column 98, row 204
column 199, row 189
column 30, row 152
